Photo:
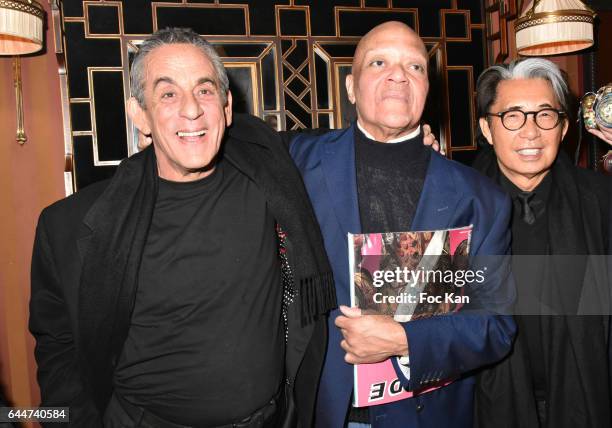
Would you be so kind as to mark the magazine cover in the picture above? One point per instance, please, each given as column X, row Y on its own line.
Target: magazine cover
column 407, row 275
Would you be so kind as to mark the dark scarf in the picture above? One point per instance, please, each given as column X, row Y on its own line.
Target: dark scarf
column 575, row 348
column 257, row 150
column 120, row 221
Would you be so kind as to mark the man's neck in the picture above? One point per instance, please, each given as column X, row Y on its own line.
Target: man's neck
column 524, row 183
column 392, row 138
column 170, row 172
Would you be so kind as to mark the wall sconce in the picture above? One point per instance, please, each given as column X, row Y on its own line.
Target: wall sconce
column 21, row 32
column 550, row 27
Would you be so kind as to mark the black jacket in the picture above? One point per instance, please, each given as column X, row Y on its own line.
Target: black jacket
column 85, row 267
column 576, row 349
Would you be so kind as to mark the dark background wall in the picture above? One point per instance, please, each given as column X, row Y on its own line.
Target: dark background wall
column 287, row 63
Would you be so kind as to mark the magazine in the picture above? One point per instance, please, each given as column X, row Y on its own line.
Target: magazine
column 407, row 275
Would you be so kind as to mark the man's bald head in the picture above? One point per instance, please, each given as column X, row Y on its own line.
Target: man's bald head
column 392, row 27
column 389, row 81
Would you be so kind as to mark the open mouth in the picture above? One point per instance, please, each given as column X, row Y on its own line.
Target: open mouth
column 529, row 152
column 199, row 133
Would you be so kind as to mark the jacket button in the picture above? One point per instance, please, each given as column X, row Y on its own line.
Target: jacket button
column 419, row 407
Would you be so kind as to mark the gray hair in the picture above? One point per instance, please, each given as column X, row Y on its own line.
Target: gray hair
column 170, row 36
column 530, row 68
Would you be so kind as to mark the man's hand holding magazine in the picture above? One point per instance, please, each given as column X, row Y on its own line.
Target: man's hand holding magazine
column 370, row 338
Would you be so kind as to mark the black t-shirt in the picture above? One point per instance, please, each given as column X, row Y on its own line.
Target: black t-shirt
column 206, row 342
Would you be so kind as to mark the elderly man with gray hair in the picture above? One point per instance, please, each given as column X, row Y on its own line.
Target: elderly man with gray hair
column 192, row 288
column 557, row 374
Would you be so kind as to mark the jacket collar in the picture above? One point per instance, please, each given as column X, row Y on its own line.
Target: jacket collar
column 438, row 198
column 247, row 130
column 118, row 223
column 338, row 164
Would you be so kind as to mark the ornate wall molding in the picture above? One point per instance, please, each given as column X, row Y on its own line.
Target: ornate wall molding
column 287, row 62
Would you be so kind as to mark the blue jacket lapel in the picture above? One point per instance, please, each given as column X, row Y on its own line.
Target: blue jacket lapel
column 338, row 164
column 438, row 199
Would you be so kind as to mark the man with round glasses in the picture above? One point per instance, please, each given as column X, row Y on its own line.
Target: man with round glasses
column 514, row 119
column 558, row 374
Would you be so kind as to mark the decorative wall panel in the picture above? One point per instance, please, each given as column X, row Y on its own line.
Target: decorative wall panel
column 287, row 62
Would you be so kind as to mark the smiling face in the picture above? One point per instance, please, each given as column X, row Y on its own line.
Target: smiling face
column 184, row 111
column 389, row 82
column 524, row 156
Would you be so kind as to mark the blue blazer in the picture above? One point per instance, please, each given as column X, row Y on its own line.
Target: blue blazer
column 442, row 347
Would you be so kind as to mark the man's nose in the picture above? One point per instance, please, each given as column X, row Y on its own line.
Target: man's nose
column 530, row 130
column 397, row 73
column 190, row 108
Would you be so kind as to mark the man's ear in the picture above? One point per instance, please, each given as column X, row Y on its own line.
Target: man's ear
column 349, row 88
column 565, row 128
column 138, row 116
column 228, row 109
column 486, row 131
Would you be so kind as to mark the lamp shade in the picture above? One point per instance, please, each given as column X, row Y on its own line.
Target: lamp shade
column 549, row 27
column 21, row 27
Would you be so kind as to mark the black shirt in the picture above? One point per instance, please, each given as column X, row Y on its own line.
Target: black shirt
column 206, row 343
column 530, row 240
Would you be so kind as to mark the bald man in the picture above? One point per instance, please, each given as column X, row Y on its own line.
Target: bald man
column 377, row 176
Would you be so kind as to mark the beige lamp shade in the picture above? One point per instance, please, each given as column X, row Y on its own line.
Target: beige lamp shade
column 21, row 27
column 549, row 27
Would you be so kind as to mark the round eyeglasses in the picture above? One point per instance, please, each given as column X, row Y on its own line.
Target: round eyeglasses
column 546, row 119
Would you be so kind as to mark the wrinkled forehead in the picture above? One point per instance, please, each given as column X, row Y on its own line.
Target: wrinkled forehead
column 390, row 39
column 176, row 59
column 521, row 92
column 403, row 51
